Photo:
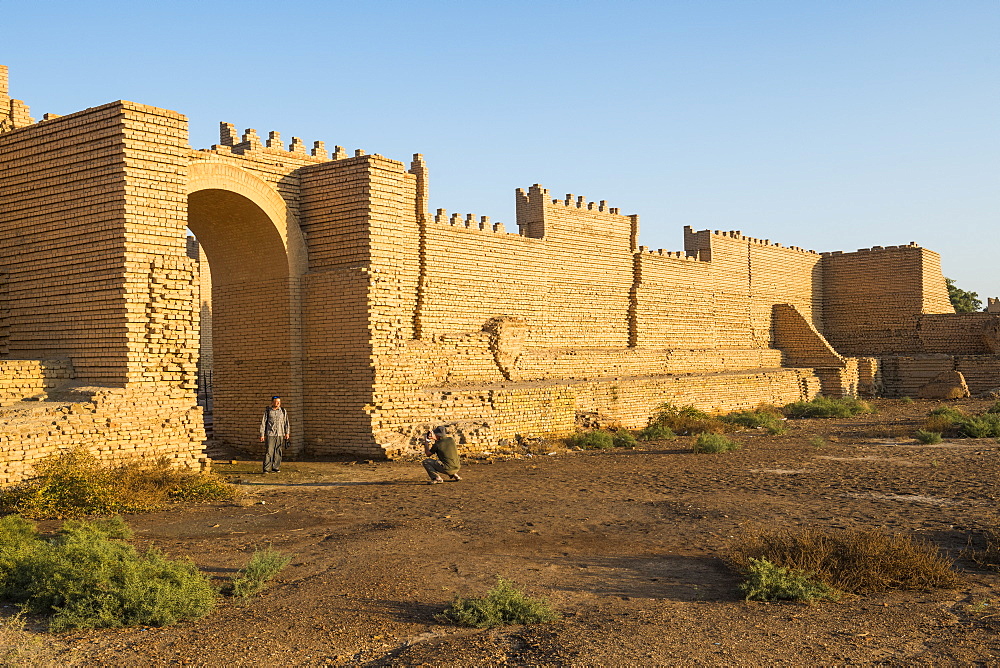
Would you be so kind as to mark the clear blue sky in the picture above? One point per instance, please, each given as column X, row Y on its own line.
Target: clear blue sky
column 832, row 124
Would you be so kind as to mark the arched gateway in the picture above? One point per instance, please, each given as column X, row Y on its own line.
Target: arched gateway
column 333, row 287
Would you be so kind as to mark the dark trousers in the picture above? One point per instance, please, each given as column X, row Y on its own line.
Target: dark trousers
column 272, row 454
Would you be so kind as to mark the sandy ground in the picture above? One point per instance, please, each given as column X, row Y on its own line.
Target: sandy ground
column 627, row 544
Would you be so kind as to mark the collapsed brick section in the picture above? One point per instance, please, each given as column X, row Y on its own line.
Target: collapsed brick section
column 332, row 285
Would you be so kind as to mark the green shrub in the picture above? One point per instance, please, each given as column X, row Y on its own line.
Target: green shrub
column 261, row 569
column 906, row 400
column 943, row 424
column 84, row 577
column 980, row 426
column 714, row 443
column 657, row 432
column 954, row 414
column 758, row 419
column 928, row 437
column 765, row 581
column 623, row 439
column 503, row 604
column 817, row 441
column 858, row 561
column 75, row 483
column 591, row 440
column 688, row 420
column 822, row 407
column 995, row 408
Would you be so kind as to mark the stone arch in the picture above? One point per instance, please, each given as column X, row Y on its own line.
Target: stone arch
column 257, row 256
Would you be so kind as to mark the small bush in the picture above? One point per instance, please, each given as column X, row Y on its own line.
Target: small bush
column 688, row 420
column 714, row 443
column 941, row 424
column 954, row 414
column 261, row 569
column 817, row 441
column 765, row 581
column 852, row 561
column 84, row 577
column 591, row 440
column 75, row 483
column 623, row 439
column 758, row 419
column 995, row 408
column 657, row 432
column 906, row 400
column 981, row 426
column 927, row 437
column 503, row 604
column 822, row 407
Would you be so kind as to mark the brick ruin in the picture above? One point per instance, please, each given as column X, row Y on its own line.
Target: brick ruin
column 332, row 285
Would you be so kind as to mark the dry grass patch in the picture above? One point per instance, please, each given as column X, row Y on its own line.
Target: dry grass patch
column 75, row 483
column 20, row 647
column 858, row 562
column 984, row 548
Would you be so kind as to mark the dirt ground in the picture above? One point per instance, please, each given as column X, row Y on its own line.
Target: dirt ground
column 627, row 544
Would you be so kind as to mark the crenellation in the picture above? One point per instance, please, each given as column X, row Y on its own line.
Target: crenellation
column 228, row 135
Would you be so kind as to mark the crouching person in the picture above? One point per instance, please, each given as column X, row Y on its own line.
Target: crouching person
column 438, row 443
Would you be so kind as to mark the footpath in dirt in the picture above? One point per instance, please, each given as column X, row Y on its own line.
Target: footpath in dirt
column 628, row 545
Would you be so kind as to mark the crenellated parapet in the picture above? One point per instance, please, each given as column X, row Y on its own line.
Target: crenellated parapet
column 232, row 142
column 703, row 242
column 875, row 249
column 572, row 218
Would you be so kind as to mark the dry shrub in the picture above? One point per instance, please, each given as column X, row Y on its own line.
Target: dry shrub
column 686, row 420
column 75, row 483
column 861, row 561
column 984, row 548
column 942, row 424
column 20, row 647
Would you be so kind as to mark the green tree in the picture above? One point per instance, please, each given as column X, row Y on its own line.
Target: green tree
column 963, row 300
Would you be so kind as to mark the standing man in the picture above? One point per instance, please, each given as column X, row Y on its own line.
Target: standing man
column 438, row 443
column 275, row 431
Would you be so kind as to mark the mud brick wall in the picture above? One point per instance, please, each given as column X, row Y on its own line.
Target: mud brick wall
column 749, row 276
column 114, row 424
column 960, row 333
column 872, row 298
column 63, row 187
column 587, row 258
column 487, row 415
column 335, row 288
column 982, row 372
column 31, row 379
column 674, row 301
column 904, row 375
column 801, row 343
column 338, row 292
